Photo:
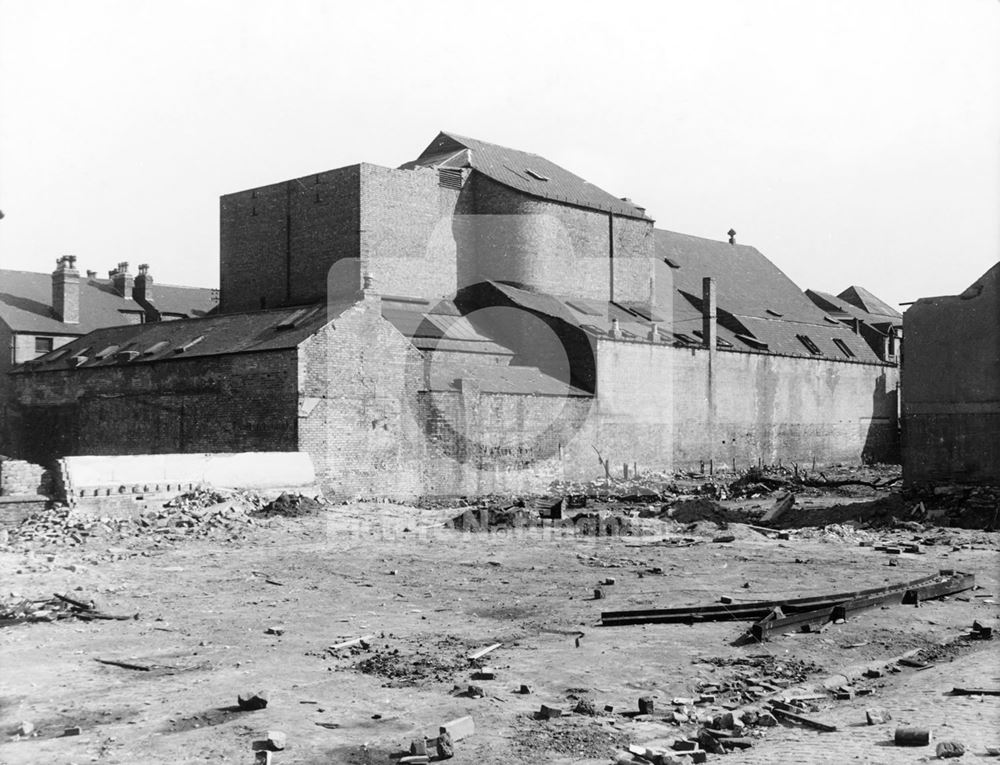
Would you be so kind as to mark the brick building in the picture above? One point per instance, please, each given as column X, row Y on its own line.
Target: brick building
column 41, row 312
column 951, row 398
column 477, row 320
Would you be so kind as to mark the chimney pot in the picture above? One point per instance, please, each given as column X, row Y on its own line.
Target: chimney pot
column 123, row 281
column 66, row 290
column 732, row 236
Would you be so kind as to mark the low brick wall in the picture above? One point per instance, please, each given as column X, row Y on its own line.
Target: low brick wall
column 19, row 478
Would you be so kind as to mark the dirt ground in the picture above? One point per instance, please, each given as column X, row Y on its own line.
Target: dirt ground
column 430, row 595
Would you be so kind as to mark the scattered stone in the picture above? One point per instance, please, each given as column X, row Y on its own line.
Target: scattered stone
column 444, row 747
column 262, row 757
column 912, row 737
column 598, row 593
column 524, row 690
column 609, row 581
column 74, row 731
column 946, row 749
column 547, row 712
column 585, row 707
column 475, row 692
column 766, row 719
column 877, row 716
column 724, row 538
column 25, row 728
column 250, row 701
column 646, row 705
column 484, row 674
column 709, row 743
column 276, row 740
column 418, row 746
column 459, row 728
column 683, row 745
column 278, row 629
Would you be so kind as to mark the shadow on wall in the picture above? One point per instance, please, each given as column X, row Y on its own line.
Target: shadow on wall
column 882, row 437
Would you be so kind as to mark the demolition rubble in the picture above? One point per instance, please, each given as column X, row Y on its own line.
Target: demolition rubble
column 772, row 615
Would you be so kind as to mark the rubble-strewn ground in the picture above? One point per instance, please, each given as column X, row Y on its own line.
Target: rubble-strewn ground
column 230, row 596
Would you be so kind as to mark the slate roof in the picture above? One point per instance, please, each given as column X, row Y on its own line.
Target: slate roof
column 752, row 294
column 190, row 338
column 525, row 172
column 26, row 303
column 841, row 309
column 866, row 301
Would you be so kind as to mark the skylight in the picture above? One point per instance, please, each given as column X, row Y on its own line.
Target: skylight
column 809, row 344
column 844, row 347
column 536, row 175
column 773, row 313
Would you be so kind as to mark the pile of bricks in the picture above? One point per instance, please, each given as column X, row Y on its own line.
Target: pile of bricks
column 60, row 526
column 19, row 478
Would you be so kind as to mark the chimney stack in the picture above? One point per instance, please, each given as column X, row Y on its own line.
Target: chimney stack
column 142, row 291
column 732, row 236
column 709, row 329
column 66, row 290
column 122, row 280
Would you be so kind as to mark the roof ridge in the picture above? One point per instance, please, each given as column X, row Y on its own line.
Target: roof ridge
column 460, row 138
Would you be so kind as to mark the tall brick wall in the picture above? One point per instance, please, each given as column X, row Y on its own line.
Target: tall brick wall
column 951, row 386
column 224, row 403
column 411, row 241
column 557, row 248
column 278, row 242
column 373, row 430
column 781, row 408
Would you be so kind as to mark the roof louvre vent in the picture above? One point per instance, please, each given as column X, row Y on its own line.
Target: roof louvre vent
column 450, row 178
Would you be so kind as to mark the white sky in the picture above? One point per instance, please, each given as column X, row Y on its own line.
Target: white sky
column 852, row 141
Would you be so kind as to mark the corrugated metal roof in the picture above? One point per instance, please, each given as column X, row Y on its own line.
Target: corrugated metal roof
column 26, row 303
column 525, row 172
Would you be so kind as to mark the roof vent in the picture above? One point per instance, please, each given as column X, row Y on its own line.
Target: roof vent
column 156, row 348
column 292, row 321
column 126, row 356
column 187, row 346
column 450, row 178
column 75, row 361
column 109, row 351
column 536, row 175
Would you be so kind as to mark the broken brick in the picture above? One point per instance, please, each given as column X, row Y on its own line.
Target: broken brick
column 877, row 716
column 646, row 705
column 547, row 712
column 946, row 749
column 443, row 746
column 250, row 701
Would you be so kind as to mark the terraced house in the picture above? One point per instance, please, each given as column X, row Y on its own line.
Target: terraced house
column 479, row 319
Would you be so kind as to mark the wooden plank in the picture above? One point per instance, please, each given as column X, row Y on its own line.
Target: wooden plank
column 483, row 651
column 816, row 724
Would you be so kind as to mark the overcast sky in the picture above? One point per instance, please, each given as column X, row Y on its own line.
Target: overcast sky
column 851, row 142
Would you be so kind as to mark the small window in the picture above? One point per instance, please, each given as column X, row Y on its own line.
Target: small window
column 684, row 339
column 753, row 342
column 43, row 344
column 844, row 347
column 536, row 175
column 810, row 345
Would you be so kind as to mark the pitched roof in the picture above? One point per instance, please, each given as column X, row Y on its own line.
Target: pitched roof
column 866, row 301
column 26, row 303
column 752, row 294
column 528, row 173
column 218, row 335
column 841, row 309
